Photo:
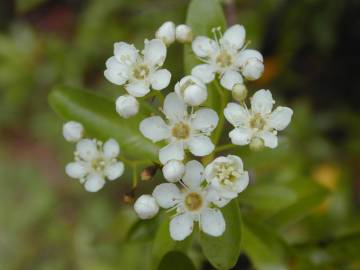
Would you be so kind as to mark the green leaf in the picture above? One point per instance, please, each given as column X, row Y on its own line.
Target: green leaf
column 176, row 260
column 223, row 252
column 143, row 230
column 98, row 116
column 27, row 5
column 163, row 243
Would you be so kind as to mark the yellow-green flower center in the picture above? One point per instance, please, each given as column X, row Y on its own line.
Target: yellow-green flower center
column 98, row 164
column 226, row 173
column 224, row 59
column 257, row 122
column 141, row 71
column 181, row 131
column 193, row 201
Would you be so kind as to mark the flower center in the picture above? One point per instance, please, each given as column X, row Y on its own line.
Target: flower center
column 141, row 71
column 181, row 131
column 226, row 173
column 257, row 122
column 224, row 59
column 193, row 201
column 98, row 164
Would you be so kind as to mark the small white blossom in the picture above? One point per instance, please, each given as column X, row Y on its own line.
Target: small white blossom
column 182, row 130
column 166, row 33
column 173, row 170
column 184, row 33
column 258, row 123
column 138, row 72
column 228, row 57
column 73, row 131
column 192, row 204
column 94, row 162
column 192, row 90
column 226, row 176
column 146, row 207
column 127, row 106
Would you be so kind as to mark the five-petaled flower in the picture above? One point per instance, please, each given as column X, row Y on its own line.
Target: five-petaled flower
column 138, row 72
column 182, row 129
column 228, row 57
column 192, row 204
column 94, row 162
column 259, row 123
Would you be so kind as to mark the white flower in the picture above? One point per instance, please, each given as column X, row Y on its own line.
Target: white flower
column 181, row 129
column 192, row 90
column 94, row 162
column 227, row 57
column 258, row 123
column 184, row 33
column 166, row 33
column 127, row 106
column 138, row 72
column 73, row 131
column 146, row 207
column 191, row 204
column 173, row 170
column 226, row 176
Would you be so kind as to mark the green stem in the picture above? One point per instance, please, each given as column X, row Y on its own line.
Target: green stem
column 224, row 147
column 134, row 176
column 223, row 101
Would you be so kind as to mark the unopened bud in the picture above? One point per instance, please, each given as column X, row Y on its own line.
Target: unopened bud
column 166, row 33
column 184, row 33
column 173, row 170
column 128, row 198
column 73, row 131
column 239, row 92
column 256, row 144
column 127, row 106
column 192, row 90
column 253, row 69
column 146, row 207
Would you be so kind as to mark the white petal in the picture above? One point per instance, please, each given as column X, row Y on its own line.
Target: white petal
column 94, row 183
column 167, row 195
column 154, row 128
column 204, row 46
column 245, row 55
column 194, row 174
column 237, row 161
column 160, row 79
column 111, row 148
column 166, row 33
column 280, row 118
column 242, row 182
column 205, row 72
column 240, row 136
column 174, row 107
column 234, row 36
column 205, row 120
column 87, row 149
column 154, row 52
column 171, row 151
column 253, row 69
column 237, row 115
column 137, row 89
column 200, row 145
column 262, row 102
column 212, row 222
column 118, row 75
column 75, row 170
column 181, row 226
column 230, row 78
column 270, row 139
column 183, row 33
column 125, row 53
column 114, row 171
column 214, row 197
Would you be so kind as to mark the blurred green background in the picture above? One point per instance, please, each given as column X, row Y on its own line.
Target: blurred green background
column 307, row 191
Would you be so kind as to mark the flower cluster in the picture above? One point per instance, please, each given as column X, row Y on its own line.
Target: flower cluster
column 94, row 161
column 194, row 191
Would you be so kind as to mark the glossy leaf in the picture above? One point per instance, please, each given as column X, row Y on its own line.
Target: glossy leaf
column 223, row 252
column 176, row 260
column 100, row 119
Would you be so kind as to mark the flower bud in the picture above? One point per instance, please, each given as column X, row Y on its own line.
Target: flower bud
column 256, row 144
column 239, row 92
column 192, row 90
column 184, row 33
column 253, row 69
column 73, row 131
column 146, row 207
column 166, row 33
column 127, row 106
column 173, row 170
column 148, row 173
